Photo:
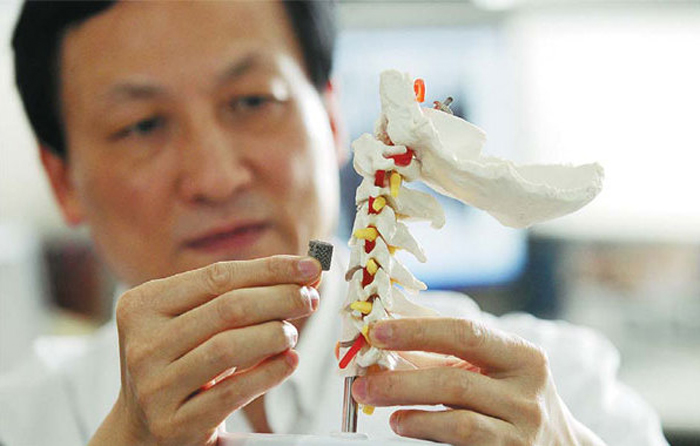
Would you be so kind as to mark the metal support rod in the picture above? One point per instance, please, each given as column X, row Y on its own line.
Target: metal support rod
column 444, row 106
column 349, row 407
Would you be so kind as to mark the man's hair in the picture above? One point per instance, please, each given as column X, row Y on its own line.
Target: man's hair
column 42, row 25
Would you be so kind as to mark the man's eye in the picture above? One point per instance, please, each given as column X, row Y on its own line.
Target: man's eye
column 250, row 103
column 143, row 127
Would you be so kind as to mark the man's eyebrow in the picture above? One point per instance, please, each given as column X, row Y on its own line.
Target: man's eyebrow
column 238, row 68
column 134, row 90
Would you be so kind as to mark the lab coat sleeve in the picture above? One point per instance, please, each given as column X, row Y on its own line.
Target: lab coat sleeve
column 584, row 366
column 36, row 409
column 61, row 393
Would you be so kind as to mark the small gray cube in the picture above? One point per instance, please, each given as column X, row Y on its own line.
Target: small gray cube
column 321, row 251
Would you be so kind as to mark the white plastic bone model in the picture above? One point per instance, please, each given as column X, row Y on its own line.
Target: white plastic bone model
column 412, row 143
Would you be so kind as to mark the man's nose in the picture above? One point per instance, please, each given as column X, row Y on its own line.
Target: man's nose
column 214, row 166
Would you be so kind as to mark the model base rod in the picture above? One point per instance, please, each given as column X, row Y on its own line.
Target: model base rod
column 349, row 407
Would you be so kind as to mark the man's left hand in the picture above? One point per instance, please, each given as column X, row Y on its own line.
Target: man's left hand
column 498, row 390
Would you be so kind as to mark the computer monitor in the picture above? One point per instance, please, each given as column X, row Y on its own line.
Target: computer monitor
column 473, row 249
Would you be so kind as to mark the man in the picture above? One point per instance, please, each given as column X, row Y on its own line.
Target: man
column 199, row 144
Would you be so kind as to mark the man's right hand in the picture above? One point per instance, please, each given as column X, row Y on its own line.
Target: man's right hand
column 177, row 334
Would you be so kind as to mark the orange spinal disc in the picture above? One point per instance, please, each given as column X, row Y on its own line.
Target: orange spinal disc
column 419, row 89
column 374, row 368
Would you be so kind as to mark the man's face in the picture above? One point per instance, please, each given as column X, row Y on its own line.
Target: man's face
column 194, row 135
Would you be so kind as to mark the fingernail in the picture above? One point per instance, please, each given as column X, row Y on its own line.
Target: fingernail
column 291, row 333
column 381, row 334
column 313, row 297
column 394, row 422
column 292, row 359
column 359, row 389
column 309, row 268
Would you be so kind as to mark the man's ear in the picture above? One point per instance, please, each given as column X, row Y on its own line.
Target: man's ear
column 56, row 168
column 330, row 98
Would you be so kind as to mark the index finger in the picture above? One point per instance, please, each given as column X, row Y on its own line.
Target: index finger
column 485, row 347
column 182, row 292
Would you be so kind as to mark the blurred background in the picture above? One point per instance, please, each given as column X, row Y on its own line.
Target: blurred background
column 569, row 82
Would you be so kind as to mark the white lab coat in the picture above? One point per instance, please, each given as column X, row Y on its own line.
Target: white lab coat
column 61, row 394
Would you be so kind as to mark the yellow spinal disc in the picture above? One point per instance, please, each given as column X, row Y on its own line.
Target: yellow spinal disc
column 362, row 307
column 367, row 409
column 372, row 266
column 365, row 329
column 366, row 234
column 378, row 203
column 392, row 249
column 395, row 183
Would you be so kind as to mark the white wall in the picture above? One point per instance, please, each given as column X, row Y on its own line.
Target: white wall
column 619, row 85
column 613, row 82
column 24, row 194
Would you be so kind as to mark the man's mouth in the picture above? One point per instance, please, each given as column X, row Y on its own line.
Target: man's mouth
column 236, row 238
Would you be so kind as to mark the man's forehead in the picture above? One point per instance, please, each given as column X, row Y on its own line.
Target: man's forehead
column 144, row 88
column 216, row 40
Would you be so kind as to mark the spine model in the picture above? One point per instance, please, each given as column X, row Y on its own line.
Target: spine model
column 443, row 151
column 374, row 274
